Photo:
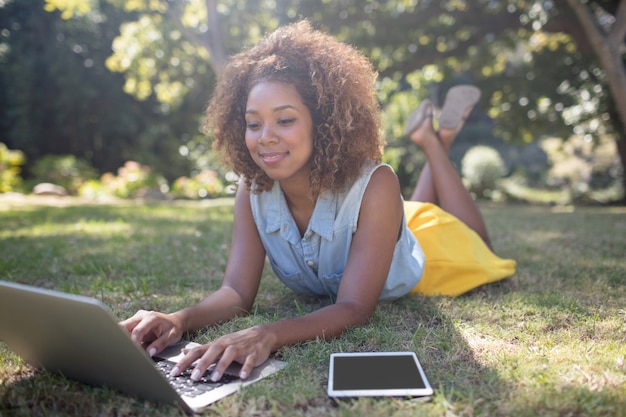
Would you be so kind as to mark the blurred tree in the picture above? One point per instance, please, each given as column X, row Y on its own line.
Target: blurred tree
column 58, row 97
column 170, row 52
column 172, row 44
column 546, row 67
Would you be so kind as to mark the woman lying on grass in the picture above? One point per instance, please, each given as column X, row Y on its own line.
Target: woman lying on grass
column 298, row 120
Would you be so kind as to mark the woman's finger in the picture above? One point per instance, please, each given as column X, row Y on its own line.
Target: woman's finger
column 228, row 356
column 248, row 366
column 190, row 357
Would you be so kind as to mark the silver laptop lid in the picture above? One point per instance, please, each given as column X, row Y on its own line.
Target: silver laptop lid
column 79, row 337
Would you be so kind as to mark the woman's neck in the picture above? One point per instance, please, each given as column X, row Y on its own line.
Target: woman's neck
column 301, row 203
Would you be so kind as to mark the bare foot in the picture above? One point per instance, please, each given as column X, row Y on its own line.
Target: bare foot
column 425, row 134
column 422, row 113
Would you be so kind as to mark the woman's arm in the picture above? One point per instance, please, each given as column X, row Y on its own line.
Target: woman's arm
column 241, row 278
column 235, row 297
column 365, row 274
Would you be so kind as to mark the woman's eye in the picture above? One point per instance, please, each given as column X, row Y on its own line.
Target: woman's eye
column 253, row 125
column 286, row 121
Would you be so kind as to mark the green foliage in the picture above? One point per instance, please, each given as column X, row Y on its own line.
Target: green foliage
column 482, row 169
column 203, row 185
column 10, row 162
column 132, row 179
column 558, row 171
column 536, row 70
column 136, row 180
column 70, row 8
column 582, row 168
column 95, row 190
column 57, row 96
column 65, row 170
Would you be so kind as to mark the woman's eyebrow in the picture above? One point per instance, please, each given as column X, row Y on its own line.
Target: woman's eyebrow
column 275, row 109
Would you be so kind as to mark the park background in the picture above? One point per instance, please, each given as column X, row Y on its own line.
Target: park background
column 105, row 98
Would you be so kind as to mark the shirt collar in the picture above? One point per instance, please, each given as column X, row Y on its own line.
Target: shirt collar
column 275, row 219
column 322, row 220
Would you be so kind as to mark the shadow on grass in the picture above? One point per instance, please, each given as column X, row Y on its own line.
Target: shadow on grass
column 28, row 392
column 454, row 368
column 412, row 323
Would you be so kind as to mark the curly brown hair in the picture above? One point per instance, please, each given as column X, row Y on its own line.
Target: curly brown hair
column 336, row 83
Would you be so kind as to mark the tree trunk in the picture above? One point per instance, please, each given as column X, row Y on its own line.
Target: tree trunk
column 608, row 47
column 217, row 50
column 212, row 41
column 621, row 151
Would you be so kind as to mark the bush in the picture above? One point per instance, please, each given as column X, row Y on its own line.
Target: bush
column 132, row 179
column 95, row 190
column 482, row 169
column 204, row 185
column 65, row 170
column 584, row 168
column 10, row 162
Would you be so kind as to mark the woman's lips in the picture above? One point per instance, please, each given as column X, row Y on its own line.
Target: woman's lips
column 271, row 157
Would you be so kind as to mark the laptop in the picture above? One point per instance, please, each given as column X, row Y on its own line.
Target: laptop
column 377, row 374
column 79, row 337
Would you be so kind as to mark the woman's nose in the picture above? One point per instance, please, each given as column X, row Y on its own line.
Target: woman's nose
column 268, row 136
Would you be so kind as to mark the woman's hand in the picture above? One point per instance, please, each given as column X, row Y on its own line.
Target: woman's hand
column 153, row 330
column 249, row 347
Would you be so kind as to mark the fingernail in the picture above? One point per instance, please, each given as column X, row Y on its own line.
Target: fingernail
column 215, row 376
column 152, row 352
column 195, row 375
column 243, row 375
column 175, row 371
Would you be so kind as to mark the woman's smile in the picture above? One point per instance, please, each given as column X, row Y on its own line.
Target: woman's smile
column 273, row 157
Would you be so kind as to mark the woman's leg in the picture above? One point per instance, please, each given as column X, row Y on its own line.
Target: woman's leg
column 425, row 187
column 439, row 183
column 458, row 104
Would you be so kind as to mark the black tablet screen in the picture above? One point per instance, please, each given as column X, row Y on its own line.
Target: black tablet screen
column 376, row 373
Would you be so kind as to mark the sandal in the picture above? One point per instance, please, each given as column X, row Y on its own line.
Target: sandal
column 459, row 102
column 417, row 117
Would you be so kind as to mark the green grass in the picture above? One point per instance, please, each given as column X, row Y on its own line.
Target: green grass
column 550, row 341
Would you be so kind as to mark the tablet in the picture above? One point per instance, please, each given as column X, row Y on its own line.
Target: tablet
column 375, row 374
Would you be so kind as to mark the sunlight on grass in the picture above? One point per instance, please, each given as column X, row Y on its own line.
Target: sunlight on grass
column 83, row 227
column 548, row 341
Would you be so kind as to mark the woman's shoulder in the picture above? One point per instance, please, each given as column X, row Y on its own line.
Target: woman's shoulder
column 383, row 174
column 377, row 180
column 383, row 184
column 379, row 172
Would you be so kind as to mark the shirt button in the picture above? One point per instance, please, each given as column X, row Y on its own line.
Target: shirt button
column 310, row 263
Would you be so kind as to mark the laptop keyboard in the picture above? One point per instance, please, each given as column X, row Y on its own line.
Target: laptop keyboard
column 183, row 383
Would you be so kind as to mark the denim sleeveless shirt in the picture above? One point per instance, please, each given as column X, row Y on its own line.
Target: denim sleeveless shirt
column 313, row 264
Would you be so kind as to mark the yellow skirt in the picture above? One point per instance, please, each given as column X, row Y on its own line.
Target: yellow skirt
column 457, row 259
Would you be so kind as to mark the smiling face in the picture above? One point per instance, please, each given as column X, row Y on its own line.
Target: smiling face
column 279, row 132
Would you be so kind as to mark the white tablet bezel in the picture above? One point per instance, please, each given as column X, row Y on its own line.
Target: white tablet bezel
column 381, row 392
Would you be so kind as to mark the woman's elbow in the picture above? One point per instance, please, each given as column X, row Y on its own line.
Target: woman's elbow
column 359, row 314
